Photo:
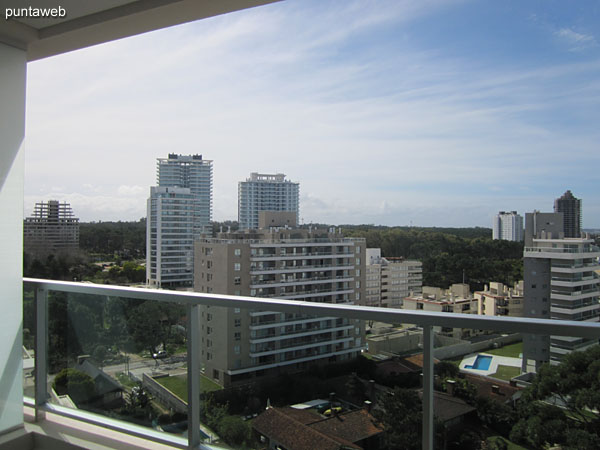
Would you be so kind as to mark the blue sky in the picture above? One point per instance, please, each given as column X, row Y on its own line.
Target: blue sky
column 430, row 113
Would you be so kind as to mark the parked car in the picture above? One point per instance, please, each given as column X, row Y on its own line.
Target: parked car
column 161, row 354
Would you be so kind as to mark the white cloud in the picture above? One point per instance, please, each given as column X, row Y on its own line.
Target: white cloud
column 577, row 41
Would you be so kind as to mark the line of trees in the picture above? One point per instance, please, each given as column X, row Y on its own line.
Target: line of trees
column 449, row 254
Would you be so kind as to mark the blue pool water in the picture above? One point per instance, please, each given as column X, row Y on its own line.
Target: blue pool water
column 482, row 362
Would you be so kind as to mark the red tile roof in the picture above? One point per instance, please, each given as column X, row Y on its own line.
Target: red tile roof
column 290, row 433
column 303, row 430
column 353, row 426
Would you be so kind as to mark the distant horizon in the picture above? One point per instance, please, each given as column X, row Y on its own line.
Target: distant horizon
column 439, row 111
column 586, row 229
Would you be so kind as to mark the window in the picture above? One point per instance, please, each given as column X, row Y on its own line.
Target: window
column 208, row 264
column 238, row 322
column 236, row 349
column 208, row 356
column 208, row 330
column 209, row 343
column 237, row 267
column 237, row 251
column 358, row 296
column 358, row 285
column 236, row 310
column 357, row 249
column 237, row 336
column 358, row 261
column 209, row 317
column 208, row 276
column 237, row 281
column 419, row 305
column 215, row 374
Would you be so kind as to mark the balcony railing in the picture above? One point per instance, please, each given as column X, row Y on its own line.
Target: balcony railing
column 193, row 301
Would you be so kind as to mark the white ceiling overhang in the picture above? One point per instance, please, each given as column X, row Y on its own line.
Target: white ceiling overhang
column 90, row 22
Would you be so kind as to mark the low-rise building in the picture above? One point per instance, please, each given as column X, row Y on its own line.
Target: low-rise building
column 497, row 299
column 389, row 279
column 295, row 429
column 457, row 299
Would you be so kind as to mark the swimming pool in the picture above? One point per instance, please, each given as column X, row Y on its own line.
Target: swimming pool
column 482, row 362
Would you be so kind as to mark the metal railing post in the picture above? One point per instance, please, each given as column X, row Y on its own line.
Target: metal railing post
column 428, row 423
column 193, row 375
column 41, row 351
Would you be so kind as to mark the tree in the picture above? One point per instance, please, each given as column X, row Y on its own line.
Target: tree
column 78, row 385
column 234, row 430
column 401, row 414
column 561, row 405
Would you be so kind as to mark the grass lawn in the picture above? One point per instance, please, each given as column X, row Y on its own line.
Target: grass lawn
column 125, row 380
column 506, row 372
column 178, row 385
column 512, row 350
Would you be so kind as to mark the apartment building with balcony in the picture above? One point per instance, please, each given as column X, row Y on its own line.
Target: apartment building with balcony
column 51, row 228
column 390, row 280
column 560, row 283
column 456, row 299
column 266, row 192
column 282, row 263
column 497, row 299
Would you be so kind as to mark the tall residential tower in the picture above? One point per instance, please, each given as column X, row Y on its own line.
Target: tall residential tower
column 264, row 192
column 560, row 282
column 570, row 206
column 179, row 210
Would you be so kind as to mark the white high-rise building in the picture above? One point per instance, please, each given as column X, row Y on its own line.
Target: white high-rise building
column 179, row 210
column 195, row 173
column 264, row 192
column 170, row 237
column 508, row 226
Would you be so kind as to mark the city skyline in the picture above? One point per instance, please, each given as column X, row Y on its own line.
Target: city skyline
column 437, row 113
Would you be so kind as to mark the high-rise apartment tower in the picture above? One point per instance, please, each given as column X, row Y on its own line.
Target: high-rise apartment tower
column 264, row 192
column 570, row 206
column 560, row 282
column 179, row 210
column 508, row 226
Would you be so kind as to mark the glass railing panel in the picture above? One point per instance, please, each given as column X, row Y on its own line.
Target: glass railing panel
column 29, row 329
column 120, row 358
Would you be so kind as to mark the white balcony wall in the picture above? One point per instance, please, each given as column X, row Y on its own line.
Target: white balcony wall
column 12, row 131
